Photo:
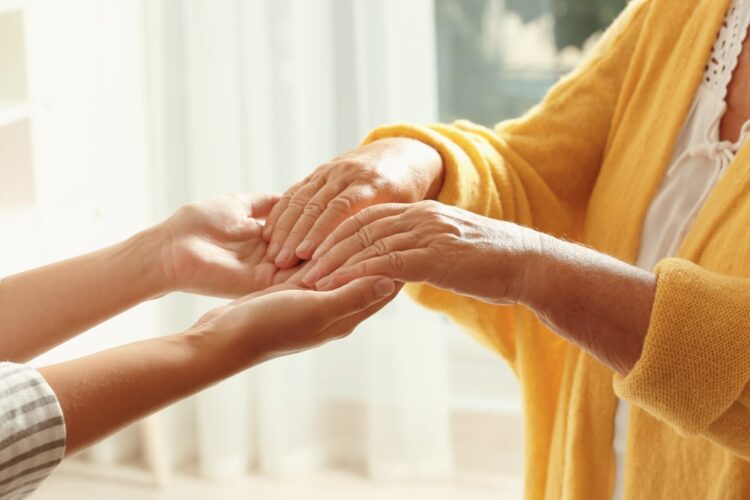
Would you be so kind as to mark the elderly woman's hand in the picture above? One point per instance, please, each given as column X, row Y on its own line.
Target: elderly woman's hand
column 385, row 171
column 427, row 242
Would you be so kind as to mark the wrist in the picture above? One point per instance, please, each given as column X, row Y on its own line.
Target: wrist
column 431, row 166
column 219, row 351
column 546, row 272
column 530, row 268
column 147, row 254
column 422, row 159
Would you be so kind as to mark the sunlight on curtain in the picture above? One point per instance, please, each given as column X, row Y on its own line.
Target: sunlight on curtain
column 159, row 103
column 272, row 89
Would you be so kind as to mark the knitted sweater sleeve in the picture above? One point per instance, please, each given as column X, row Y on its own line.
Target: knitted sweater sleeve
column 538, row 170
column 694, row 372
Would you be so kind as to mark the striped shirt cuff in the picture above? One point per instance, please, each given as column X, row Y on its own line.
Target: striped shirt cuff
column 32, row 431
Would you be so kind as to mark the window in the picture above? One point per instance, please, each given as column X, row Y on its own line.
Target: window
column 497, row 58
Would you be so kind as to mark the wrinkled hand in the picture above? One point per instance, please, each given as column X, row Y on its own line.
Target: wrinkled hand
column 214, row 247
column 388, row 170
column 426, row 242
column 287, row 319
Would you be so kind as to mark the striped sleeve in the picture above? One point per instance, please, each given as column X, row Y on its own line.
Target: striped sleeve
column 32, row 431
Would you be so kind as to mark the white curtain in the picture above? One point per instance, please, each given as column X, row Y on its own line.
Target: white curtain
column 251, row 96
column 140, row 106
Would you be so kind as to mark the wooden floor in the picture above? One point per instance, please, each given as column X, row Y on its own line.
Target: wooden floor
column 77, row 483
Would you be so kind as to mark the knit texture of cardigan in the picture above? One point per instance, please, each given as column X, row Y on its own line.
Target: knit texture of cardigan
column 584, row 165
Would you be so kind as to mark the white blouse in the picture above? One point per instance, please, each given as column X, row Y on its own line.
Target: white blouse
column 698, row 161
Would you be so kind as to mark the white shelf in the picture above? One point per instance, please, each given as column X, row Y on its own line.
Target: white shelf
column 11, row 113
column 17, row 173
column 10, row 6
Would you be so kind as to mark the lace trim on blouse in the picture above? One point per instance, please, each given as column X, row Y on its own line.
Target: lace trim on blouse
column 728, row 47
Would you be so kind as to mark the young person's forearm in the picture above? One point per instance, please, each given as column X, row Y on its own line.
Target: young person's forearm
column 103, row 392
column 597, row 302
column 46, row 306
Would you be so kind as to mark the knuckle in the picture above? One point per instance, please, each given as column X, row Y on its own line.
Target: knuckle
column 286, row 197
column 380, row 248
column 363, row 238
column 341, row 204
column 368, row 175
column 430, row 208
column 297, row 203
column 314, row 208
column 432, row 204
column 396, row 261
column 363, row 216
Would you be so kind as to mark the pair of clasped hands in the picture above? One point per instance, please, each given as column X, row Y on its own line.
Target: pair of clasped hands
column 334, row 249
column 308, row 267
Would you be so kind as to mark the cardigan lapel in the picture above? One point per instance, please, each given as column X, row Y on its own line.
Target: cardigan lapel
column 666, row 70
column 651, row 84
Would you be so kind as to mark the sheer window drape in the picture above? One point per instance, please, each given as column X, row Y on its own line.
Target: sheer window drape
column 251, row 96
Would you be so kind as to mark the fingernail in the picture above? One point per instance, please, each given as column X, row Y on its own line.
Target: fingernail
column 317, row 254
column 384, row 287
column 283, row 256
column 273, row 250
column 311, row 277
column 324, row 283
column 304, row 247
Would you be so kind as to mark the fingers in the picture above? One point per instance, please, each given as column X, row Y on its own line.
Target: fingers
column 401, row 242
column 345, row 326
column 322, row 220
column 404, row 266
column 273, row 289
column 357, row 222
column 278, row 210
column 339, row 208
column 371, row 236
column 316, row 206
column 356, row 296
column 282, row 255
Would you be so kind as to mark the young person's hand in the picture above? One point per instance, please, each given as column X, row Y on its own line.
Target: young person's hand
column 287, row 318
column 214, row 247
column 131, row 381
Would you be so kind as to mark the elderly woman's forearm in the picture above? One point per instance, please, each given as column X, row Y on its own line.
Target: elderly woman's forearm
column 597, row 302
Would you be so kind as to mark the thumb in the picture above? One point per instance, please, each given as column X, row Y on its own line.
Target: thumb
column 356, row 296
column 261, row 205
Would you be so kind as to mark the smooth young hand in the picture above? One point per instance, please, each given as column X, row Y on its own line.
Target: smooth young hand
column 394, row 170
column 214, row 247
column 131, row 381
column 287, row 318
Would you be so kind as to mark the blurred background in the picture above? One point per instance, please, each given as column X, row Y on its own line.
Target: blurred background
column 113, row 113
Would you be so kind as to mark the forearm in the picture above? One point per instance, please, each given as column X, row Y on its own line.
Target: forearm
column 597, row 302
column 44, row 307
column 103, row 392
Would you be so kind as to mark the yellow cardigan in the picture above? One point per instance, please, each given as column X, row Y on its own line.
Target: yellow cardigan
column 584, row 165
